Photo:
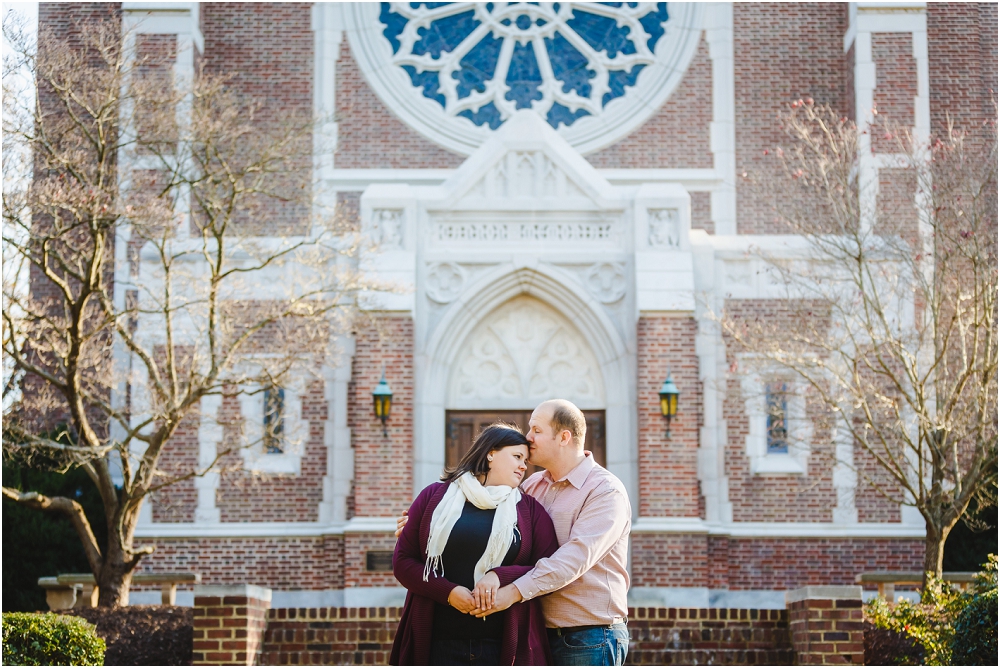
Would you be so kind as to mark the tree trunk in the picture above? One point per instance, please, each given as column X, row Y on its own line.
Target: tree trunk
column 115, row 578
column 934, row 550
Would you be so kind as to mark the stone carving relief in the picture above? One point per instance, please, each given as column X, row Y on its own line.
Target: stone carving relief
column 516, row 232
column 525, row 352
column 522, row 174
column 444, row 282
column 606, row 282
column 664, row 228
column 388, row 224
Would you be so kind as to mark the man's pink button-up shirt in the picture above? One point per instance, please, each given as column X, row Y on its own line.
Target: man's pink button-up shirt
column 586, row 580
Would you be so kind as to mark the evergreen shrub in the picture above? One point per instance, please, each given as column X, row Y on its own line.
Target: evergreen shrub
column 47, row 639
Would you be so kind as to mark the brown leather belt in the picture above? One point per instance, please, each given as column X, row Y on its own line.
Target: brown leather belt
column 565, row 631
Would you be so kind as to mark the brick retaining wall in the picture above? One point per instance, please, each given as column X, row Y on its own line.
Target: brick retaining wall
column 363, row 636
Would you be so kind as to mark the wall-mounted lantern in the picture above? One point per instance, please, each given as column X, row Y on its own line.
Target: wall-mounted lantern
column 668, row 400
column 382, row 396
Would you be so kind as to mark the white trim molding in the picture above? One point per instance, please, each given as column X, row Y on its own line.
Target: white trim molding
column 642, row 525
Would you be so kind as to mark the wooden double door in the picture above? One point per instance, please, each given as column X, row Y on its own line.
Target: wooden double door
column 462, row 427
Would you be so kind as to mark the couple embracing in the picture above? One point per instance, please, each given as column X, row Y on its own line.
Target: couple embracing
column 500, row 573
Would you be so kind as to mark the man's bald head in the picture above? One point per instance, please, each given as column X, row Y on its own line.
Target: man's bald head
column 566, row 416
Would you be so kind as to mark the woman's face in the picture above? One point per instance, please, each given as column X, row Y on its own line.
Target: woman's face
column 508, row 466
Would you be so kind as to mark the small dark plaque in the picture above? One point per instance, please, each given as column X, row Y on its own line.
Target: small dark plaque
column 378, row 561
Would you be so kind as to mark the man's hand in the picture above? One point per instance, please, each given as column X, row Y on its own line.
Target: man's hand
column 485, row 592
column 506, row 597
column 461, row 599
column 401, row 522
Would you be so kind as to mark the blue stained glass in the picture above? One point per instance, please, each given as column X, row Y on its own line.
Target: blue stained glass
column 478, row 66
column 429, row 5
column 445, row 34
column 394, row 25
column 602, row 33
column 523, row 77
column 427, row 80
column 569, row 65
column 617, row 80
column 488, row 114
column 652, row 23
column 560, row 114
column 523, row 21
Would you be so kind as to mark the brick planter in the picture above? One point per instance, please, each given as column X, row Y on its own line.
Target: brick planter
column 229, row 624
column 827, row 625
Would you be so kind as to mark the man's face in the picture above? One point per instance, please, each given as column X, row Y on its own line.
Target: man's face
column 544, row 443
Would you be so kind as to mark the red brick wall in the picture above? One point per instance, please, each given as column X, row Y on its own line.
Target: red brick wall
column 669, row 560
column 668, row 468
column 244, row 496
column 701, row 212
column 895, row 85
column 677, row 135
column 369, row 135
column 268, row 46
column 356, row 547
column 383, row 465
column 708, row 636
column 177, row 502
column 786, row 563
column 228, row 630
column 284, row 563
column 769, row 498
column 962, row 63
column 827, row 632
column 658, row 636
column 330, row 636
column 783, row 52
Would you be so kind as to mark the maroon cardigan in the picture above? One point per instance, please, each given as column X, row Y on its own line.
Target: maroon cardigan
column 524, row 640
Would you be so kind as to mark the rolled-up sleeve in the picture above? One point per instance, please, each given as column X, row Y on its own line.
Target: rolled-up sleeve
column 599, row 526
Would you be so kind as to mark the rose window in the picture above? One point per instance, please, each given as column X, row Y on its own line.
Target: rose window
column 483, row 61
column 456, row 71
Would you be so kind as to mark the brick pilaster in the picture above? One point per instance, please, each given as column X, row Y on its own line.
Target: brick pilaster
column 229, row 624
column 826, row 625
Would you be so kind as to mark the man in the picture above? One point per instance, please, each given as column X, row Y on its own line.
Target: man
column 585, row 583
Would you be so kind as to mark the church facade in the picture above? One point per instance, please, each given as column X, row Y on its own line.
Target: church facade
column 556, row 189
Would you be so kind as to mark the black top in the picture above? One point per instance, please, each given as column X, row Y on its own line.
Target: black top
column 464, row 549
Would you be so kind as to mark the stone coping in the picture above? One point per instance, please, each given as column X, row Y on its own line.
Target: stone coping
column 248, row 591
column 822, row 594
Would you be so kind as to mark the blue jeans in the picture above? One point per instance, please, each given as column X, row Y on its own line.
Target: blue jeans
column 456, row 652
column 602, row 646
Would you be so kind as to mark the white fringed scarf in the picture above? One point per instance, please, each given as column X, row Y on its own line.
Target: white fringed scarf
column 466, row 487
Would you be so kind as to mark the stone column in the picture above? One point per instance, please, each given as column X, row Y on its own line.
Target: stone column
column 229, row 624
column 826, row 625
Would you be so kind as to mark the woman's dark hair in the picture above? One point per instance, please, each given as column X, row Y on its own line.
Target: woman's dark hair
column 497, row 436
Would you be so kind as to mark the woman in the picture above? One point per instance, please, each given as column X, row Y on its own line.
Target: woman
column 459, row 529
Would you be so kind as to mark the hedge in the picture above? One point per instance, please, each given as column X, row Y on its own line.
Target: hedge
column 47, row 639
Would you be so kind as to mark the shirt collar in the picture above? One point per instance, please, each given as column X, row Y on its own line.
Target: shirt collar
column 578, row 476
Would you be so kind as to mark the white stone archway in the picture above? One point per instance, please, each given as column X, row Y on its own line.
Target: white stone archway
column 574, row 351
column 521, row 354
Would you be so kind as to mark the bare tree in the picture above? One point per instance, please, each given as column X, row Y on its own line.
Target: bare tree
column 177, row 252
column 893, row 306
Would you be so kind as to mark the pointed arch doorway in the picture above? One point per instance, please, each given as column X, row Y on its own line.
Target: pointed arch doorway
column 519, row 355
column 462, row 427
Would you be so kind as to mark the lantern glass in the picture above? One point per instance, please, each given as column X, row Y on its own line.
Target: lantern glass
column 668, row 398
column 382, row 396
